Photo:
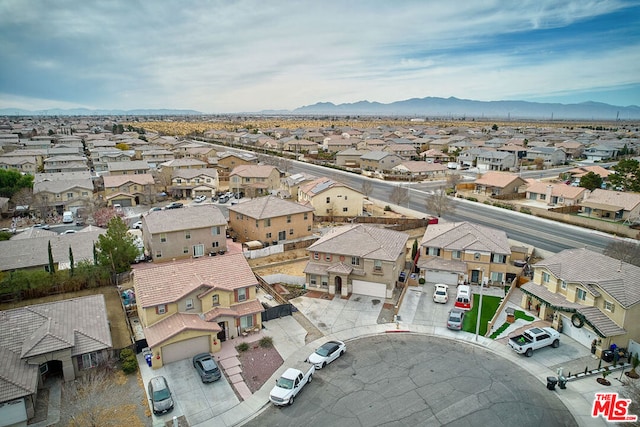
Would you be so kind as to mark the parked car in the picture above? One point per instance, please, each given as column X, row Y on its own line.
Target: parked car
column 160, row 395
column 137, row 224
column 40, row 225
column 200, row 199
column 533, row 339
column 463, row 297
column 206, row 367
column 291, row 383
column 174, row 205
column 455, row 319
column 68, row 232
column 441, row 293
column 155, row 209
column 327, row 353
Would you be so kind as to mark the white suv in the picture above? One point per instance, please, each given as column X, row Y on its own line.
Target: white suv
column 441, row 293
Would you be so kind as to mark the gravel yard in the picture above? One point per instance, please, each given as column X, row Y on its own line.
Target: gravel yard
column 258, row 364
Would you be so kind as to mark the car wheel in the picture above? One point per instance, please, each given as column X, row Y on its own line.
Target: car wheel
column 291, row 401
column 528, row 353
column 323, row 365
column 341, row 352
column 310, row 378
column 556, row 344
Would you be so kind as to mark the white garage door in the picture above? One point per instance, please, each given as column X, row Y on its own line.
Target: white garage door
column 369, row 288
column 433, row 276
column 185, row 349
column 583, row 335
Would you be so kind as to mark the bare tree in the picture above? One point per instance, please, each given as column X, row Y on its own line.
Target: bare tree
column 439, row 203
column 367, row 188
column 399, row 195
column 94, row 399
column 624, row 250
column 631, row 390
column 453, row 179
column 23, row 197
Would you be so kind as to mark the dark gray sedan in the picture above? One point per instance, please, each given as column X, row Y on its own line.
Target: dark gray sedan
column 207, row 367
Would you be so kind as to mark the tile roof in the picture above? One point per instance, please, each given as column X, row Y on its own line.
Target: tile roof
column 128, row 165
column 175, row 324
column 560, row 190
column 182, row 162
column 118, row 180
column 362, row 241
column 170, row 281
column 497, row 179
column 194, row 173
column 466, row 236
column 628, row 201
column 253, row 306
column 186, row 218
column 616, row 278
column 269, row 207
column 253, row 171
column 17, row 378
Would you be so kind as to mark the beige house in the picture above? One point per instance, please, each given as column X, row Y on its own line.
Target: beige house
column 498, row 183
column 129, row 190
column 66, row 163
column 417, row 169
column 270, row 219
column 463, row 252
column 555, row 194
column 588, row 296
column 189, row 307
column 254, row 180
column 381, row 161
column 190, row 232
column 358, row 259
column 25, row 165
column 129, row 167
column 612, row 205
column 194, row 182
column 331, row 198
column 290, row 184
column 63, row 190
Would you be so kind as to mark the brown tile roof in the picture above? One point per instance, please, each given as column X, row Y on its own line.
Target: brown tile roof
column 560, row 190
column 269, row 207
column 362, row 241
column 187, row 218
column 497, row 179
column 253, row 171
column 118, row 180
column 161, row 331
column 466, row 236
column 168, row 282
column 237, row 310
column 628, row 201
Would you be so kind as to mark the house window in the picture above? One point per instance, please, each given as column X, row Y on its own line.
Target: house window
column 89, row 360
column 581, row 294
column 476, row 256
column 69, row 195
column 161, row 309
column 377, row 265
column 545, row 277
column 44, row 368
column 563, row 284
column 85, row 193
column 345, row 209
column 215, row 300
column 313, row 279
column 178, row 181
column 215, row 231
column 499, row 258
column 267, row 222
column 325, row 281
column 158, row 254
column 496, row 277
column 433, row 251
column 163, row 238
column 185, row 250
column 329, row 211
column 328, row 199
column 187, row 234
column 608, row 306
column 305, row 215
column 316, row 256
column 246, row 321
column 198, row 250
column 215, row 244
column 308, row 228
column 268, row 235
column 189, row 303
column 288, row 219
column 327, row 257
column 355, row 260
column 291, row 232
column 456, row 254
column 242, row 294
column 257, row 225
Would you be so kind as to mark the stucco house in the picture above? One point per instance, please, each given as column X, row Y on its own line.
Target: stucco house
column 612, row 205
column 593, row 298
column 417, row 169
column 129, row 190
column 331, row 198
column 554, row 194
column 190, row 306
column 254, row 180
column 496, row 183
column 194, row 231
column 358, row 259
column 62, row 190
column 551, row 156
column 194, row 182
column 380, row 161
column 129, row 167
column 62, row 338
column 458, row 252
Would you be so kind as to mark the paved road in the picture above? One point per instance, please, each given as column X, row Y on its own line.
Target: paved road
column 408, row 380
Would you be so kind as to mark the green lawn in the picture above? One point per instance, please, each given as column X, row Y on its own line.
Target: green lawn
column 489, row 307
column 517, row 314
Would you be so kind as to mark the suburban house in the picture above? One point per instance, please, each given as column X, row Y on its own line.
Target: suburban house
column 463, row 252
column 573, row 149
column 405, row 151
column 358, row 259
column 228, row 160
column 270, row 219
column 300, row 146
column 417, row 169
column 551, row 156
column 379, row 161
column 579, row 172
column 254, row 180
column 290, row 184
column 156, row 157
column 489, row 160
column 68, row 163
column 612, row 205
column 128, row 190
column 598, row 153
column 56, row 339
column 184, row 233
column 188, row 307
column 334, row 143
column 331, row 198
column 194, row 182
column 23, row 164
column 499, row 183
column 62, row 191
column 129, row 167
column 593, row 298
column 553, row 194
column 436, row 156
column 350, row 158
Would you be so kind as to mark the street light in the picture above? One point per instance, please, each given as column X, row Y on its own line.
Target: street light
column 480, row 303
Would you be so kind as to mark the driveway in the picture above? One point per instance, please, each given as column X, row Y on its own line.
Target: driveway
column 196, row 401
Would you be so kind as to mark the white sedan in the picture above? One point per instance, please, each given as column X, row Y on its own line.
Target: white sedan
column 441, row 294
column 200, row 199
column 327, row 353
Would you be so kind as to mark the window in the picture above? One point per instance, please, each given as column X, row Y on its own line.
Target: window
column 325, row 281
column 215, row 231
column 345, row 209
column 581, row 294
column 185, row 250
column 476, row 256
column 433, row 251
column 305, row 215
column 377, row 265
column 316, row 256
column 268, row 235
column 313, row 279
column 456, row 254
column 85, row 193
column 291, row 232
column 187, row 234
column 69, row 195
column 608, row 306
column 545, row 277
column 355, row 260
column 327, row 257
column 189, row 303
column 563, row 284
column 267, row 222
column 163, row 238
column 215, row 300
column 198, row 250
column 161, row 309
column 329, row 211
column 328, row 199
column 308, row 228
column 89, row 360
column 178, row 181
column 158, row 254
column 288, row 219
column 215, row 244
column 246, row 321
column 496, row 277
column 242, row 294
column 499, row 258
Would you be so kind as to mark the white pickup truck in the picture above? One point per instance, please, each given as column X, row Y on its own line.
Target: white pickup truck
column 290, row 383
column 533, row 339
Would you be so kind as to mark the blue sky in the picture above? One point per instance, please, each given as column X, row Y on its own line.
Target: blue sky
column 252, row 55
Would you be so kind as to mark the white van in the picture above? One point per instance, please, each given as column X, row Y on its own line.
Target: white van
column 67, row 217
column 463, row 297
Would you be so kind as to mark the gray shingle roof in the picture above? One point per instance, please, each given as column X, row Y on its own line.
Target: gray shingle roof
column 362, row 241
column 189, row 218
column 269, row 207
column 466, row 236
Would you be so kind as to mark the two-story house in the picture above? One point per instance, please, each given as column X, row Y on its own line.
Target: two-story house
column 66, row 163
column 63, row 190
column 270, row 219
column 128, row 167
column 194, row 182
column 22, row 164
column 379, row 161
column 184, row 233
column 289, row 185
column 459, row 252
column 331, row 198
column 551, row 156
column 190, row 306
column 254, row 180
column 588, row 296
column 358, row 259
column 418, row 169
column 128, row 190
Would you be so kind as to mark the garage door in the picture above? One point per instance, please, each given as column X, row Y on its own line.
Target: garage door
column 583, row 335
column 185, row 349
column 125, row 203
column 446, row 277
column 369, row 288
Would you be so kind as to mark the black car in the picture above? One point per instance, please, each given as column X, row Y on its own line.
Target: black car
column 206, row 367
column 174, row 205
column 160, row 395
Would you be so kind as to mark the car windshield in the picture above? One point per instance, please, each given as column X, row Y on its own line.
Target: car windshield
column 440, row 292
column 208, row 365
column 162, row 394
column 284, row 383
column 454, row 317
column 323, row 351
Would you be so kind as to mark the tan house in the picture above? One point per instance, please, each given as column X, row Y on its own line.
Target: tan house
column 498, row 183
column 579, row 172
column 63, row 190
column 192, row 183
column 612, row 205
column 350, row 158
column 417, row 169
column 129, row 167
column 588, row 296
column 254, row 180
column 190, row 232
column 553, row 194
column 66, row 163
column 381, row 161
column 25, row 165
column 190, row 306
column 129, row 190
column 331, row 198
column 358, row 259
column 270, row 219
column 463, row 252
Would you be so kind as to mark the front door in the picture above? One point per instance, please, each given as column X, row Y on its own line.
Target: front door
column 475, row 275
column 222, row 335
column 338, row 283
column 282, row 235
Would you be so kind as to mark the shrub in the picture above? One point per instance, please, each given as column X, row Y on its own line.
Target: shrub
column 421, row 280
column 387, row 208
column 525, row 210
column 266, row 342
column 129, row 365
column 472, row 199
column 126, row 353
column 242, row 347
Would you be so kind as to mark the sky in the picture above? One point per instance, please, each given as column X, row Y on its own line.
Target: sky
column 253, row 55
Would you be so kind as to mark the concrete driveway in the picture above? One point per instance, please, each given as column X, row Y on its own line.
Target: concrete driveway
column 331, row 316
column 196, row 401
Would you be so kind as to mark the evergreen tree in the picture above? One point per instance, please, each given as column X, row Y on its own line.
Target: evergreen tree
column 51, row 266
column 71, row 260
column 116, row 248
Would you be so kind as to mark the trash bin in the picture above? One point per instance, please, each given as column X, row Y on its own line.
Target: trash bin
column 607, row 356
column 562, row 382
column 551, row 383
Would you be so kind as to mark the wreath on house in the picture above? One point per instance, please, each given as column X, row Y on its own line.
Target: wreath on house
column 577, row 320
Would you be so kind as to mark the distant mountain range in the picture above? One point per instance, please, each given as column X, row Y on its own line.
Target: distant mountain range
column 430, row 107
